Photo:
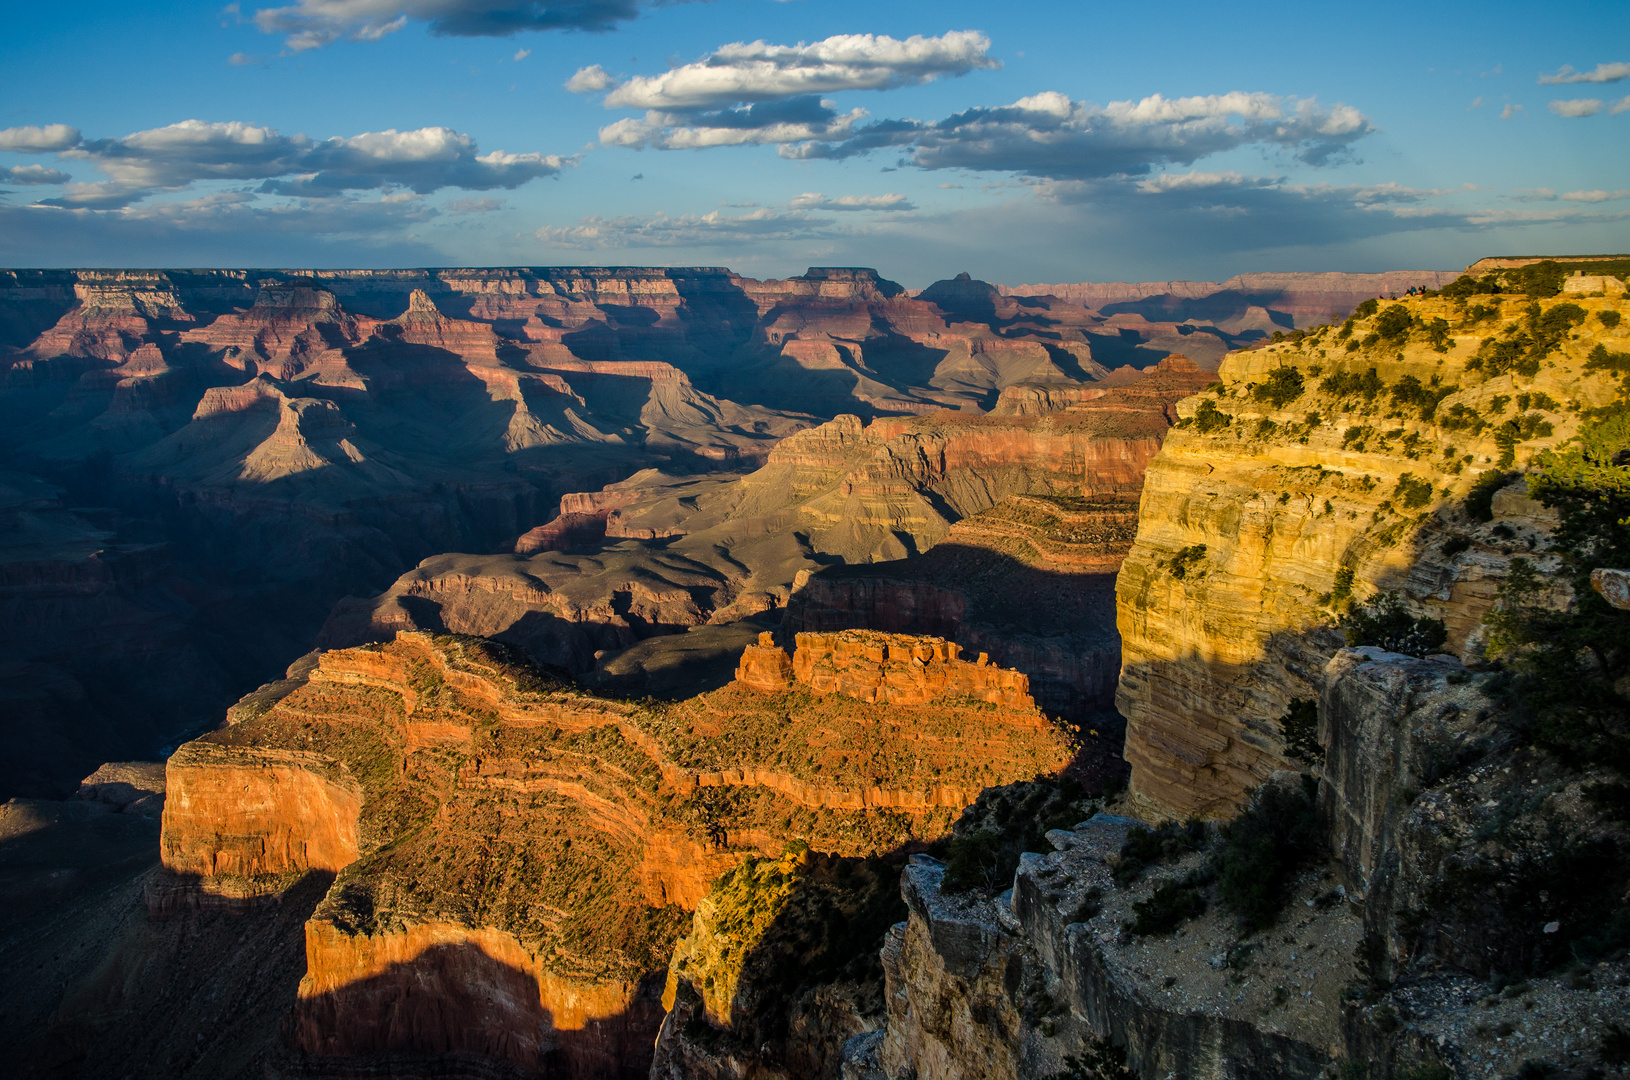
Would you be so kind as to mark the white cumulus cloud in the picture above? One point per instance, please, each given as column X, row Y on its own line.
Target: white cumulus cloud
column 1603, row 73
column 172, row 157
column 589, row 80
column 757, row 71
column 1051, row 136
column 1577, row 107
column 52, row 138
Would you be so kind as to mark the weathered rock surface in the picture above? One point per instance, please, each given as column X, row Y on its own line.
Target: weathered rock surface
column 1438, row 936
column 1227, row 601
column 514, row 856
column 870, row 665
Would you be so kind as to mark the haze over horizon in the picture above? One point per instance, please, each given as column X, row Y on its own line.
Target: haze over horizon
column 1064, row 142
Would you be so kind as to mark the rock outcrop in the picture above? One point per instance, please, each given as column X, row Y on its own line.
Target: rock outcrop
column 1391, row 956
column 1321, row 473
column 512, row 858
column 873, row 666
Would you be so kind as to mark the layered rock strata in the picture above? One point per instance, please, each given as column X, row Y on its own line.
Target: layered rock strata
column 684, row 551
column 869, row 665
column 513, row 856
column 1330, row 468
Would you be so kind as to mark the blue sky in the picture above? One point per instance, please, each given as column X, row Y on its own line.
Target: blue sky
column 1021, row 142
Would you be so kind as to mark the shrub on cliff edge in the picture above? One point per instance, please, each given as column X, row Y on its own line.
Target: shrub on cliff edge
column 1263, row 849
column 1388, row 625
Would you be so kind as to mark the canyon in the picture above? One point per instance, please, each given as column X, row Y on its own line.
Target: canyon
column 278, row 441
column 664, row 673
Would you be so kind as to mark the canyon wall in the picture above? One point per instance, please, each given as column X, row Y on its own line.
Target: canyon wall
column 1262, row 519
column 1048, row 496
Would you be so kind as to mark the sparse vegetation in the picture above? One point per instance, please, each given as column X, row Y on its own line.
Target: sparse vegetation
column 1146, row 847
column 1387, row 624
column 1300, row 726
column 1208, row 418
column 987, row 840
column 1263, row 849
column 1394, row 323
column 1569, row 663
column 1341, row 590
column 1283, row 386
column 1172, row 904
column 1189, row 560
column 1348, row 384
column 1411, row 492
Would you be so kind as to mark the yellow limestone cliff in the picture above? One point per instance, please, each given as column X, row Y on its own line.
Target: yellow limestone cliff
column 1318, row 473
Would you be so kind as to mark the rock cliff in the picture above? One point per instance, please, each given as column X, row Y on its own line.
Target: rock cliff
column 1419, row 942
column 1320, row 473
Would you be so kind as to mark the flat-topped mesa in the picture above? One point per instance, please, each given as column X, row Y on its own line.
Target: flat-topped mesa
column 882, row 668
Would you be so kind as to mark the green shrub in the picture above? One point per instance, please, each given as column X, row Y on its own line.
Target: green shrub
column 1541, row 280
column 1168, row 907
column 1263, row 849
column 1265, row 428
column 1366, row 309
column 1461, row 418
column 1284, row 385
column 1347, row 384
column 1480, row 500
column 1465, row 285
column 1301, row 730
column 1388, row 625
column 1608, row 318
column 1603, row 359
column 1537, row 400
column 1186, row 561
column 1341, row 590
column 1393, row 324
column 1412, row 492
column 1208, row 418
column 1146, row 847
column 1437, row 332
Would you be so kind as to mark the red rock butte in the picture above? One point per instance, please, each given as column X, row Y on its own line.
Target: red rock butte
column 873, row 666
